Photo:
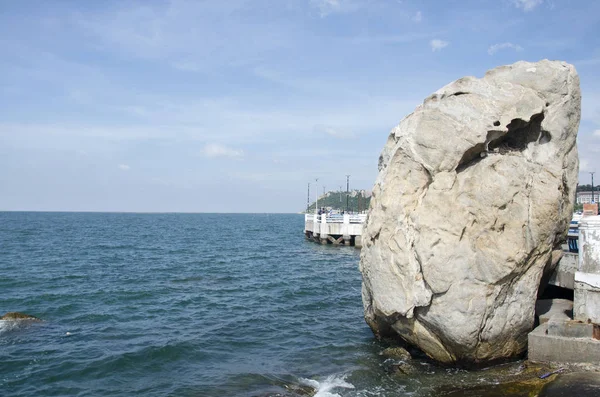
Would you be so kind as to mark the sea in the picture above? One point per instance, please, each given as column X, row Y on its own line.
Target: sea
column 192, row 305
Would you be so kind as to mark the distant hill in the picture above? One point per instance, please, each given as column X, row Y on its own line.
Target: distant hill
column 358, row 200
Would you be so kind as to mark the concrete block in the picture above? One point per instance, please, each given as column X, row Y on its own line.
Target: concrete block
column 561, row 349
column 564, row 274
column 559, row 309
column 587, row 297
column 587, row 306
column 572, row 329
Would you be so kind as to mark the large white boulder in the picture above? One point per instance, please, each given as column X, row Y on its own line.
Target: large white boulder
column 475, row 190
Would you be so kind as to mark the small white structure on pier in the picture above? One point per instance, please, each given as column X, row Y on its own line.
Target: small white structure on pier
column 337, row 229
column 586, row 303
column 569, row 331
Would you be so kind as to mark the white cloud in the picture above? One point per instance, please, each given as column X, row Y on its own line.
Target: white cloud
column 332, row 131
column 31, row 134
column 213, row 150
column 437, row 44
column 187, row 66
column 597, row 133
column 418, row 17
column 390, row 39
column 327, row 7
column 527, row 5
column 169, row 31
column 162, row 119
column 124, row 167
column 584, row 165
column 501, row 46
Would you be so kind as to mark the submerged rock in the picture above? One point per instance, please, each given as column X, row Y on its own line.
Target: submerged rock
column 475, row 190
column 396, row 353
column 580, row 384
column 502, row 380
column 300, row 390
column 12, row 316
column 522, row 388
column 402, row 368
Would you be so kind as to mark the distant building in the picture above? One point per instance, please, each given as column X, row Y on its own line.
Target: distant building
column 586, row 197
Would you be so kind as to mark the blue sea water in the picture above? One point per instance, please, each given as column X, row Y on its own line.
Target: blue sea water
column 186, row 305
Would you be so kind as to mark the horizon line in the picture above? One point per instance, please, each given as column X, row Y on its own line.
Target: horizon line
column 146, row 212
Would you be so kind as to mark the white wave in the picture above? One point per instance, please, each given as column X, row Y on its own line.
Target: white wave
column 8, row 325
column 326, row 386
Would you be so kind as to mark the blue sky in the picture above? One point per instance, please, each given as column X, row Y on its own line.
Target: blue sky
column 234, row 106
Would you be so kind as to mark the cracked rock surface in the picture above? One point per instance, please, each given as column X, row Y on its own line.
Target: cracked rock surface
column 475, row 190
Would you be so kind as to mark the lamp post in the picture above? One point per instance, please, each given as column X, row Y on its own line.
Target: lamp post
column 316, row 194
column 347, row 193
column 308, row 198
column 592, row 174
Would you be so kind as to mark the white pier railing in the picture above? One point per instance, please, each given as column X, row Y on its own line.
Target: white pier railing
column 334, row 228
column 336, row 218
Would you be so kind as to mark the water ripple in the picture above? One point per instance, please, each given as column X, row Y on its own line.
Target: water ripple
column 132, row 300
column 183, row 305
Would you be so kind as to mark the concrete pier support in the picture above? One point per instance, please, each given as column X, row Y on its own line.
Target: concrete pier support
column 347, row 239
column 358, row 241
column 324, row 235
column 586, row 302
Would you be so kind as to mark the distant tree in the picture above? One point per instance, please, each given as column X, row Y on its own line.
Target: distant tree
column 587, row 188
column 337, row 200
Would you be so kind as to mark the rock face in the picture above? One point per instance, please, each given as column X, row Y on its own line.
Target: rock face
column 475, row 190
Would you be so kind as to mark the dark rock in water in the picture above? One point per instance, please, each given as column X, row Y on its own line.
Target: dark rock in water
column 529, row 388
column 403, row 368
column 291, row 391
column 502, row 380
column 398, row 361
column 397, row 353
column 300, row 390
column 12, row 316
column 580, row 384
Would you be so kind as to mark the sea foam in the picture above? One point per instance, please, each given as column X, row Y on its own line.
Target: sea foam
column 325, row 387
column 8, row 325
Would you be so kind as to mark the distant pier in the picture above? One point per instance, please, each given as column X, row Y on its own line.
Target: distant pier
column 336, row 229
